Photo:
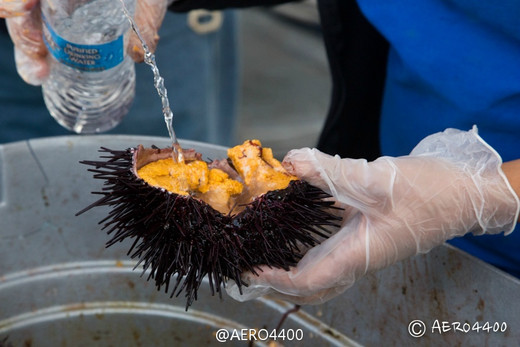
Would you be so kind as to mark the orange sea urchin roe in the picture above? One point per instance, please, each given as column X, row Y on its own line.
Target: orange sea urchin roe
column 221, row 190
column 259, row 171
column 187, row 178
column 258, row 168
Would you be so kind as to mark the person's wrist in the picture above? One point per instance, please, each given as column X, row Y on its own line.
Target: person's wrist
column 511, row 171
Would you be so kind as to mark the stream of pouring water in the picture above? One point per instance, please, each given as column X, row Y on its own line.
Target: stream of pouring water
column 149, row 58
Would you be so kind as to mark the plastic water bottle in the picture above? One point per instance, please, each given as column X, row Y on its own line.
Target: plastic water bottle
column 91, row 84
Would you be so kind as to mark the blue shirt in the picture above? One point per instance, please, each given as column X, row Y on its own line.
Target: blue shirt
column 453, row 64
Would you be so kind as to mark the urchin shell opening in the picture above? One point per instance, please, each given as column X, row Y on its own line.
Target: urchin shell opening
column 181, row 239
column 227, row 185
column 143, row 156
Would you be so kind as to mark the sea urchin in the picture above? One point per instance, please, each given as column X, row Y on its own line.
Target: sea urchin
column 195, row 219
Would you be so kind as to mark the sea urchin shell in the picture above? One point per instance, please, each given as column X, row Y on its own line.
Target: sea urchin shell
column 183, row 237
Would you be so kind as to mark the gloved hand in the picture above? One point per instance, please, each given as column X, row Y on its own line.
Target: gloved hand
column 24, row 23
column 149, row 15
column 449, row 185
column 25, row 28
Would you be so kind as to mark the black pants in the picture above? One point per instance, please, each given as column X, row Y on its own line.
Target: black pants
column 357, row 56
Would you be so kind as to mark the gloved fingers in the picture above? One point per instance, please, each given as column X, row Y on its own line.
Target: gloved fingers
column 26, row 33
column 269, row 293
column 314, row 299
column 354, row 182
column 272, row 282
column 14, row 8
column 257, row 289
column 30, row 50
column 303, row 163
column 149, row 15
column 32, row 70
column 246, row 293
column 325, row 271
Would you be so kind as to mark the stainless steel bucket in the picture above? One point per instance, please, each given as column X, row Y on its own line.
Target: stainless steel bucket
column 59, row 285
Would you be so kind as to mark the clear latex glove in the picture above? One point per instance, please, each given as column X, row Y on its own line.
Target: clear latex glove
column 25, row 28
column 149, row 15
column 450, row 184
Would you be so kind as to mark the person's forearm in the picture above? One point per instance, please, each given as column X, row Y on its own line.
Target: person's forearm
column 512, row 171
column 188, row 5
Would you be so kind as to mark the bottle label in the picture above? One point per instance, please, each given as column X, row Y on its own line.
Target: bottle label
column 83, row 57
